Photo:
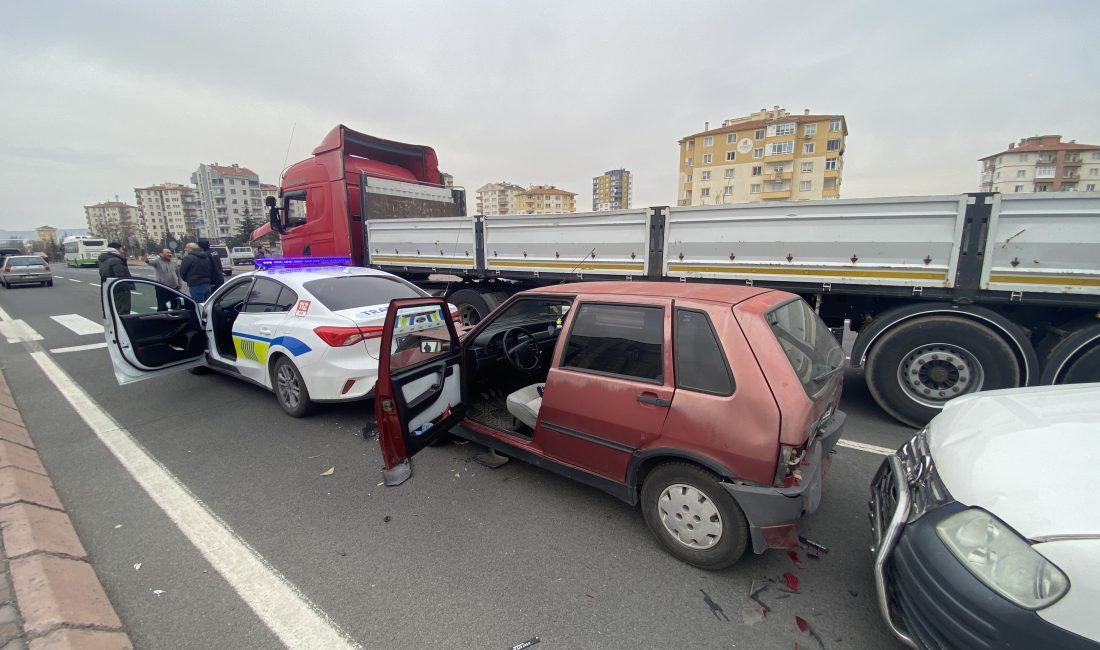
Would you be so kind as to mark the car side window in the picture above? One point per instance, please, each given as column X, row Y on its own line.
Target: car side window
column 286, row 300
column 618, row 340
column 263, row 297
column 700, row 362
column 234, row 294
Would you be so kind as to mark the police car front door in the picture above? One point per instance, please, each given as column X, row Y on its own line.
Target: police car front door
column 260, row 326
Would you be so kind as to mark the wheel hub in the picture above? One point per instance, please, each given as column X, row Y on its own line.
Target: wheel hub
column 690, row 516
column 288, row 387
column 935, row 373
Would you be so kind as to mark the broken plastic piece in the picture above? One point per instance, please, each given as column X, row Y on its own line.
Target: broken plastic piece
column 805, row 628
column 526, row 644
column 794, row 558
column 812, row 544
column 792, row 581
column 715, row 608
column 328, row 472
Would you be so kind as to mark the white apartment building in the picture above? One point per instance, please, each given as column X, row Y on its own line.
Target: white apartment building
column 498, row 198
column 226, row 196
column 166, row 211
column 1042, row 163
column 113, row 220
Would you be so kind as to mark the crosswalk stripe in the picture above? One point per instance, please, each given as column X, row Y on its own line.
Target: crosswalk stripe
column 78, row 324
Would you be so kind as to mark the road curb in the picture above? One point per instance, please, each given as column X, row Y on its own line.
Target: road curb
column 50, row 597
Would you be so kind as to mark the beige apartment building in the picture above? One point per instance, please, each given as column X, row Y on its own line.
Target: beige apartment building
column 166, row 211
column 1042, row 163
column 545, row 199
column 498, row 198
column 612, row 190
column 770, row 155
column 113, row 220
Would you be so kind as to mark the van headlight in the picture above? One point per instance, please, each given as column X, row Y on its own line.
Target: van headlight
column 1001, row 559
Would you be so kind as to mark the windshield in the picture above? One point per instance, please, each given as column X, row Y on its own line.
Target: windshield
column 811, row 348
column 349, row 291
column 26, row 261
column 92, row 242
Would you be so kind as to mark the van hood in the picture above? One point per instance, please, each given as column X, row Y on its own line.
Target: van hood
column 1026, row 455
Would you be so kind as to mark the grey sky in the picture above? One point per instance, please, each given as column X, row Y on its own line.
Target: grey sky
column 97, row 98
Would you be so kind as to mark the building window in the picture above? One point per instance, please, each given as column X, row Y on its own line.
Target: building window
column 809, row 130
column 1023, row 157
column 728, row 190
column 707, row 158
column 1021, row 173
column 757, row 170
column 834, row 125
column 708, row 141
column 833, row 145
column 1042, row 188
column 780, row 148
column 808, row 147
column 758, row 153
column 705, row 192
column 1044, row 172
column 759, row 134
column 1094, row 172
column 755, row 189
column 691, row 144
column 732, row 156
column 1069, row 187
column 690, row 162
column 705, row 177
column 688, row 179
column 804, row 186
column 1018, row 188
column 787, row 128
column 731, row 138
column 1091, row 187
column 729, row 173
column 830, row 164
column 807, row 167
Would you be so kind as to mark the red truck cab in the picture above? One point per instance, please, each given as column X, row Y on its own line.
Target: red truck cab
column 324, row 199
column 714, row 407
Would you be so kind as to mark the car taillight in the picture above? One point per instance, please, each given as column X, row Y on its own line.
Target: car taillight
column 787, row 473
column 7, row 269
column 47, row 265
column 339, row 337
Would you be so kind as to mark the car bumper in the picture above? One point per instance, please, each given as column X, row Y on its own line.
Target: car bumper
column 29, row 278
column 927, row 597
column 772, row 512
column 327, row 377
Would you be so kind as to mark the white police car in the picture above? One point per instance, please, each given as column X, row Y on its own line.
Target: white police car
column 307, row 332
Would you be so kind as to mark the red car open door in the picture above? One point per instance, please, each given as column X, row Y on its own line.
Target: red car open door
column 418, row 395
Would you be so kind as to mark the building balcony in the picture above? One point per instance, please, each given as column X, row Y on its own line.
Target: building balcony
column 832, row 173
column 779, row 177
column 830, row 193
column 775, row 196
column 1071, row 162
column 779, row 157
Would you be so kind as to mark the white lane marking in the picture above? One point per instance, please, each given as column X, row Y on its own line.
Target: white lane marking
column 861, row 446
column 289, row 614
column 78, row 324
column 73, row 280
column 91, row 283
column 16, row 330
column 79, row 348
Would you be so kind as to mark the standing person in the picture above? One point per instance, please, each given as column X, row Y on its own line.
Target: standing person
column 195, row 271
column 217, row 277
column 112, row 264
column 261, row 252
column 167, row 269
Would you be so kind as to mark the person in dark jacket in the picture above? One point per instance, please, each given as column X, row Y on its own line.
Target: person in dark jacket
column 217, row 276
column 112, row 264
column 195, row 271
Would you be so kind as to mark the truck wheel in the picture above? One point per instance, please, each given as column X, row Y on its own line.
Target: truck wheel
column 693, row 516
column 1075, row 359
column 916, row 367
column 290, row 389
column 472, row 305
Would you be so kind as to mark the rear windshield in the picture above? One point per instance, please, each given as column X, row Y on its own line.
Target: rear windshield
column 92, row 242
column 348, row 291
column 811, row 348
column 25, row 261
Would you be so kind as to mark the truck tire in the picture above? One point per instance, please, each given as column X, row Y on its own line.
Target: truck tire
column 920, row 364
column 1075, row 359
column 472, row 305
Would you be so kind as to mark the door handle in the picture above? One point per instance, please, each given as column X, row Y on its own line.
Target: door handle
column 650, row 398
column 265, row 330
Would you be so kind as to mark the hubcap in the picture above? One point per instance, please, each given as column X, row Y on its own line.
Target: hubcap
column 289, row 390
column 935, row 373
column 468, row 315
column 690, row 516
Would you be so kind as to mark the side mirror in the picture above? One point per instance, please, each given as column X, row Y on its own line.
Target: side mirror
column 273, row 215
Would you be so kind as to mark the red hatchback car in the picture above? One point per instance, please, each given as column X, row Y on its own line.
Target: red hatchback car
column 713, row 406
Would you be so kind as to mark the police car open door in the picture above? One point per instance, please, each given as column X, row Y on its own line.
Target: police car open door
column 150, row 329
column 418, row 395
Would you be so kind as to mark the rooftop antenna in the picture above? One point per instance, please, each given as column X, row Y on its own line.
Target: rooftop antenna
column 287, row 156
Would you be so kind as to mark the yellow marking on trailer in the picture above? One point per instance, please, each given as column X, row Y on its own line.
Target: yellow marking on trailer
column 580, row 266
column 411, row 259
column 1045, row 279
column 853, row 273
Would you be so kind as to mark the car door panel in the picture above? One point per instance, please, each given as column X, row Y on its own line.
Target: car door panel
column 418, row 395
column 150, row 329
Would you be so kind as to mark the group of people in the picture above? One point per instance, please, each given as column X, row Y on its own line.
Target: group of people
column 200, row 269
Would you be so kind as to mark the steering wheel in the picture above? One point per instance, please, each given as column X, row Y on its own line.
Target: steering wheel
column 520, row 349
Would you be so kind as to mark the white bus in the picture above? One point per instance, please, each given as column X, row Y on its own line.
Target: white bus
column 83, row 251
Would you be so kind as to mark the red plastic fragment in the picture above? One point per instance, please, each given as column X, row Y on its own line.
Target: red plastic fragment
column 803, row 626
column 792, row 582
column 794, row 558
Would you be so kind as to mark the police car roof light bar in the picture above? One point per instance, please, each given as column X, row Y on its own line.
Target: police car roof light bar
column 300, row 262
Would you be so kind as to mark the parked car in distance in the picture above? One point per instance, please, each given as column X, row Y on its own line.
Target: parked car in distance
column 985, row 524
column 222, row 253
column 242, row 255
column 309, row 334
column 714, row 407
column 25, row 269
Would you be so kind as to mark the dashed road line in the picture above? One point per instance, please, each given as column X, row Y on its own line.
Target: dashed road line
column 862, row 446
column 73, row 280
column 79, row 348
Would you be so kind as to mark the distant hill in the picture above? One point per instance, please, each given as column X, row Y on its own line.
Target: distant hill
column 29, row 234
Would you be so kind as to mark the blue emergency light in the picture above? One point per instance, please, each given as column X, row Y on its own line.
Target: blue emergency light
column 300, row 262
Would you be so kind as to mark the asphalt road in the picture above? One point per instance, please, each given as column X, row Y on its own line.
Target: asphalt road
column 459, row 556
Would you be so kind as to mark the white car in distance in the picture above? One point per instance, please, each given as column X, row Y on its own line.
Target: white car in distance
column 307, row 332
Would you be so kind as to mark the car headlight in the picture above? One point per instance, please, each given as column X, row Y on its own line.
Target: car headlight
column 927, row 491
column 1003, row 560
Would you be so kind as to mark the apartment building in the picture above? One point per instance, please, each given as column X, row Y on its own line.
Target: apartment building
column 545, row 199
column 498, row 198
column 113, row 220
column 226, row 195
column 1042, row 163
column 770, row 155
column 613, row 190
column 166, row 211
